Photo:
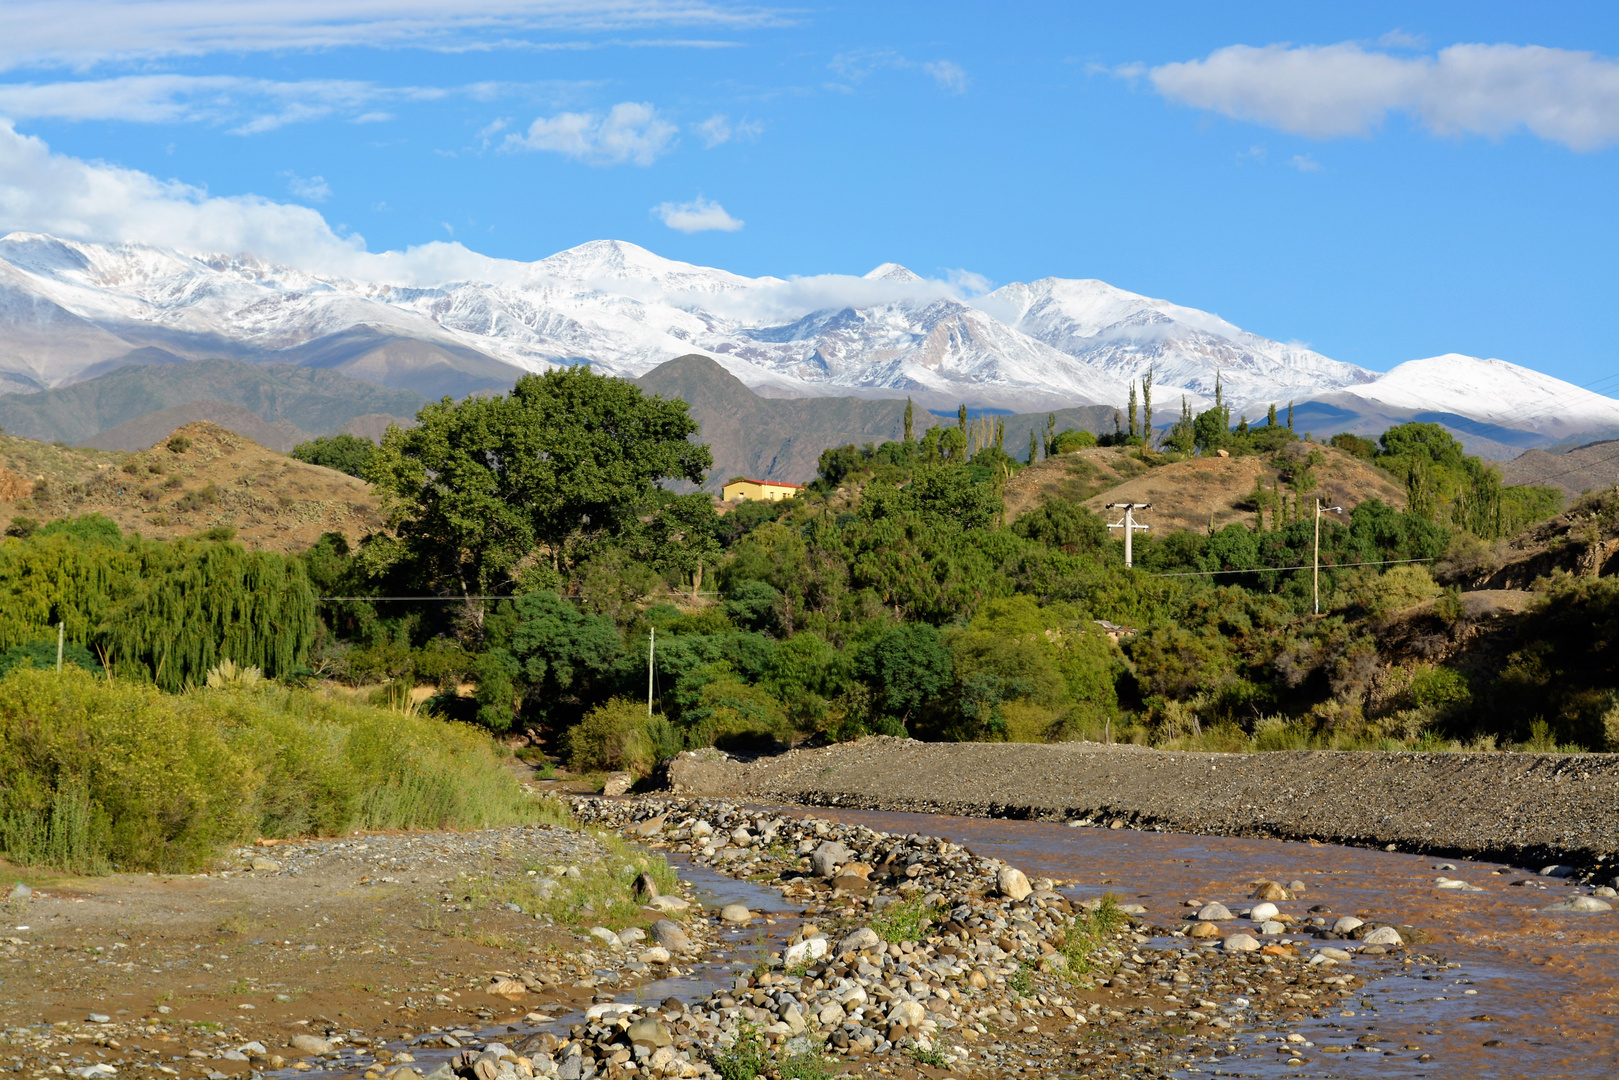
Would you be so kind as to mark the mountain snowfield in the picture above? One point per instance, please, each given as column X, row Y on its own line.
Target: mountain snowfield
column 70, row 310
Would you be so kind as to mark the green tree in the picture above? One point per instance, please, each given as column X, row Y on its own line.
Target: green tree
column 1034, row 447
column 908, row 415
column 1146, row 406
column 566, row 458
column 563, row 655
column 1211, row 430
column 906, row 668
column 1135, row 427
column 345, row 453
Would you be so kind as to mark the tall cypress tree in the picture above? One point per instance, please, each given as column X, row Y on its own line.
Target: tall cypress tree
column 1134, row 433
column 1270, row 417
column 961, row 417
column 1034, row 447
column 1290, row 416
column 910, row 431
column 1146, row 406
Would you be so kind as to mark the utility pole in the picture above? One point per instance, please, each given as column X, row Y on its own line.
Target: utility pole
column 651, row 646
column 1129, row 525
column 1319, row 509
column 61, row 628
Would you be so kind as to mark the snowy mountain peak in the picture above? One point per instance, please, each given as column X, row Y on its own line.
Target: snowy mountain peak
column 891, row 271
column 1493, row 391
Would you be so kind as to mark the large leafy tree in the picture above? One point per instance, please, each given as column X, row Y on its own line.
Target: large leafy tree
column 567, row 458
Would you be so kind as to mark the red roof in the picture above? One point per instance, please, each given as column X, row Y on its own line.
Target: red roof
column 762, row 483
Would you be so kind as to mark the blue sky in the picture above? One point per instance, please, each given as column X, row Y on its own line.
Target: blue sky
column 1382, row 182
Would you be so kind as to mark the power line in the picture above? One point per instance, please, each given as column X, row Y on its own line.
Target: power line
column 1278, row 569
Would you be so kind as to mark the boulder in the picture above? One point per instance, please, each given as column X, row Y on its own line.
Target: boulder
column 1241, row 943
column 668, row 903
column 1331, row 953
column 909, row 1013
column 506, row 987
column 863, row 938
column 655, row 955
column 669, row 935
column 1012, row 884
column 828, row 857
column 1263, row 912
column 736, row 913
column 650, row 1032
column 1580, row 903
column 811, row 949
column 1347, row 925
column 1386, row 936
column 1269, row 890
column 1203, row 931
column 310, row 1044
column 617, row 783
column 1214, row 913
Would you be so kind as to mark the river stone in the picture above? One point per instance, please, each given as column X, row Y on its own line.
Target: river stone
column 1455, row 885
column 701, row 829
column 1557, row 870
column 649, row 1031
column 1240, row 943
column 793, row 1019
column 1580, row 903
column 1603, row 890
column 828, row 856
column 1331, row 953
column 631, row 936
column 1347, row 925
column 977, row 979
column 1012, row 883
column 856, row 869
column 668, row 903
column 909, row 1013
column 1214, row 913
column 604, row 935
column 645, row 887
column 310, row 1044
column 1263, row 912
column 269, row 866
column 1272, row 927
column 671, row 936
column 832, row 1015
column 811, row 949
column 1203, row 931
column 651, row 826
column 735, row 913
column 656, row 955
column 1295, row 887
column 1383, row 935
column 506, row 987
column 1269, row 890
column 617, row 783
column 863, row 938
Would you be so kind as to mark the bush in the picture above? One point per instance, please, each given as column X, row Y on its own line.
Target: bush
column 42, row 655
column 178, row 444
column 104, row 774
column 620, row 735
column 345, row 453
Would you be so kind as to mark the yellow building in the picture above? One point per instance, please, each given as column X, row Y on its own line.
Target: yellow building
column 760, row 490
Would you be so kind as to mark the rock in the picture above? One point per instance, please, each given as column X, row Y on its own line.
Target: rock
column 406, row 1073
column 631, row 936
column 793, row 1019
column 855, row 869
column 735, row 913
column 805, row 951
column 442, row 1071
column 651, row 1032
column 863, row 938
column 826, row 859
column 1455, row 885
column 741, row 837
column 1331, row 953
column 19, row 891
column 977, row 979
column 310, row 1044
column 1203, row 931
column 608, row 1010
column 655, row 955
column 254, row 1047
column 701, row 829
column 1580, row 903
column 266, row 865
column 1557, row 871
column 851, row 883
column 99, row 1018
column 506, row 988
column 1214, row 913
column 1295, row 887
column 671, row 936
column 651, row 826
column 831, row 1016
column 1604, row 890
column 617, row 783
column 1272, row 927
column 604, row 935
column 668, row 903
column 909, row 1013
column 1240, row 943
column 1012, row 883
column 1263, row 912
column 1269, row 890
column 1383, row 935
column 645, row 888
column 1347, row 925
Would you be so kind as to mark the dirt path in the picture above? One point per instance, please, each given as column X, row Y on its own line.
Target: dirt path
column 1528, row 809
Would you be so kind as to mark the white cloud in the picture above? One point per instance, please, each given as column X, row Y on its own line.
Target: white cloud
column 948, row 75
column 310, row 189
column 719, row 129
column 631, row 131
column 1304, row 163
column 1336, row 90
column 82, row 33
column 699, row 215
column 859, row 63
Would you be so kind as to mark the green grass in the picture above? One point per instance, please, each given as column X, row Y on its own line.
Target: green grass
column 905, row 921
column 109, row 774
column 927, row 1057
column 746, row 1059
column 1021, row 982
column 1090, row 932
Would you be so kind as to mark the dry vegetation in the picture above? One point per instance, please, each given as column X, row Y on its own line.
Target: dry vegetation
column 211, row 478
column 1191, row 494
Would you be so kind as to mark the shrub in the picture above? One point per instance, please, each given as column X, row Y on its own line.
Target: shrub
column 345, row 453
column 620, row 735
column 178, row 444
column 107, row 773
column 41, row 654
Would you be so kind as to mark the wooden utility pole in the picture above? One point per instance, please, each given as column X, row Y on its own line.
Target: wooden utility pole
column 1317, row 566
column 1129, row 525
column 651, row 645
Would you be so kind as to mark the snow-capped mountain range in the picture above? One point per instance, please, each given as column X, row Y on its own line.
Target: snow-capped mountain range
column 71, row 310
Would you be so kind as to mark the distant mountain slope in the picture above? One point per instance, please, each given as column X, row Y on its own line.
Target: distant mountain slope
column 307, row 399
column 782, row 438
column 144, row 431
column 221, row 479
column 1592, row 467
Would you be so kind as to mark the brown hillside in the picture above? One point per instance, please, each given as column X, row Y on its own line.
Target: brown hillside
column 1188, row 494
column 221, row 479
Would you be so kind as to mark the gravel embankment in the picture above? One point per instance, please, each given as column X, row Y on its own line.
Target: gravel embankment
column 1530, row 809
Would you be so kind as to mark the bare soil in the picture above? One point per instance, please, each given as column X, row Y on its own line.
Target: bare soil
column 1526, row 809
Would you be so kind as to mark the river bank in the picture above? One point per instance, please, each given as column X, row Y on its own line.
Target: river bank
column 1527, row 809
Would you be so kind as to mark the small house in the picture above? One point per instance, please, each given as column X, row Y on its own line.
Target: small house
column 760, row 490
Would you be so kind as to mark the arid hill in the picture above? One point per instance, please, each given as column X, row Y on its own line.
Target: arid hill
column 213, row 477
column 1195, row 493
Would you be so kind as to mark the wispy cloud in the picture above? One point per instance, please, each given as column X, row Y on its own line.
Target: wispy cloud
column 1329, row 91
column 250, row 106
column 719, row 129
column 856, row 65
column 310, row 189
column 82, row 33
column 1304, row 163
column 631, row 131
column 699, row 215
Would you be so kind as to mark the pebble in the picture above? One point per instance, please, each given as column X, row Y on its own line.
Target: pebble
column 1214, row 913
column 1383, row 935
column 1263, row 913
column 736, row 913
column 1346, row 925
column 1580, row 903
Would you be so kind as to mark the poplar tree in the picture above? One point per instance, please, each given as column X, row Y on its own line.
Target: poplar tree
column 1290, row 416
column 1146, row 406
column 1034, row 447
column 1133, row 431
column 909, row 430
column 1270, row 417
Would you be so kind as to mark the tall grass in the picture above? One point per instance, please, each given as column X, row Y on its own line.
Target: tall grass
column 98, row 773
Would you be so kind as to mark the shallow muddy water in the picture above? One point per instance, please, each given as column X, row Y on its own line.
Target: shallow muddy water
column 1535, row 994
